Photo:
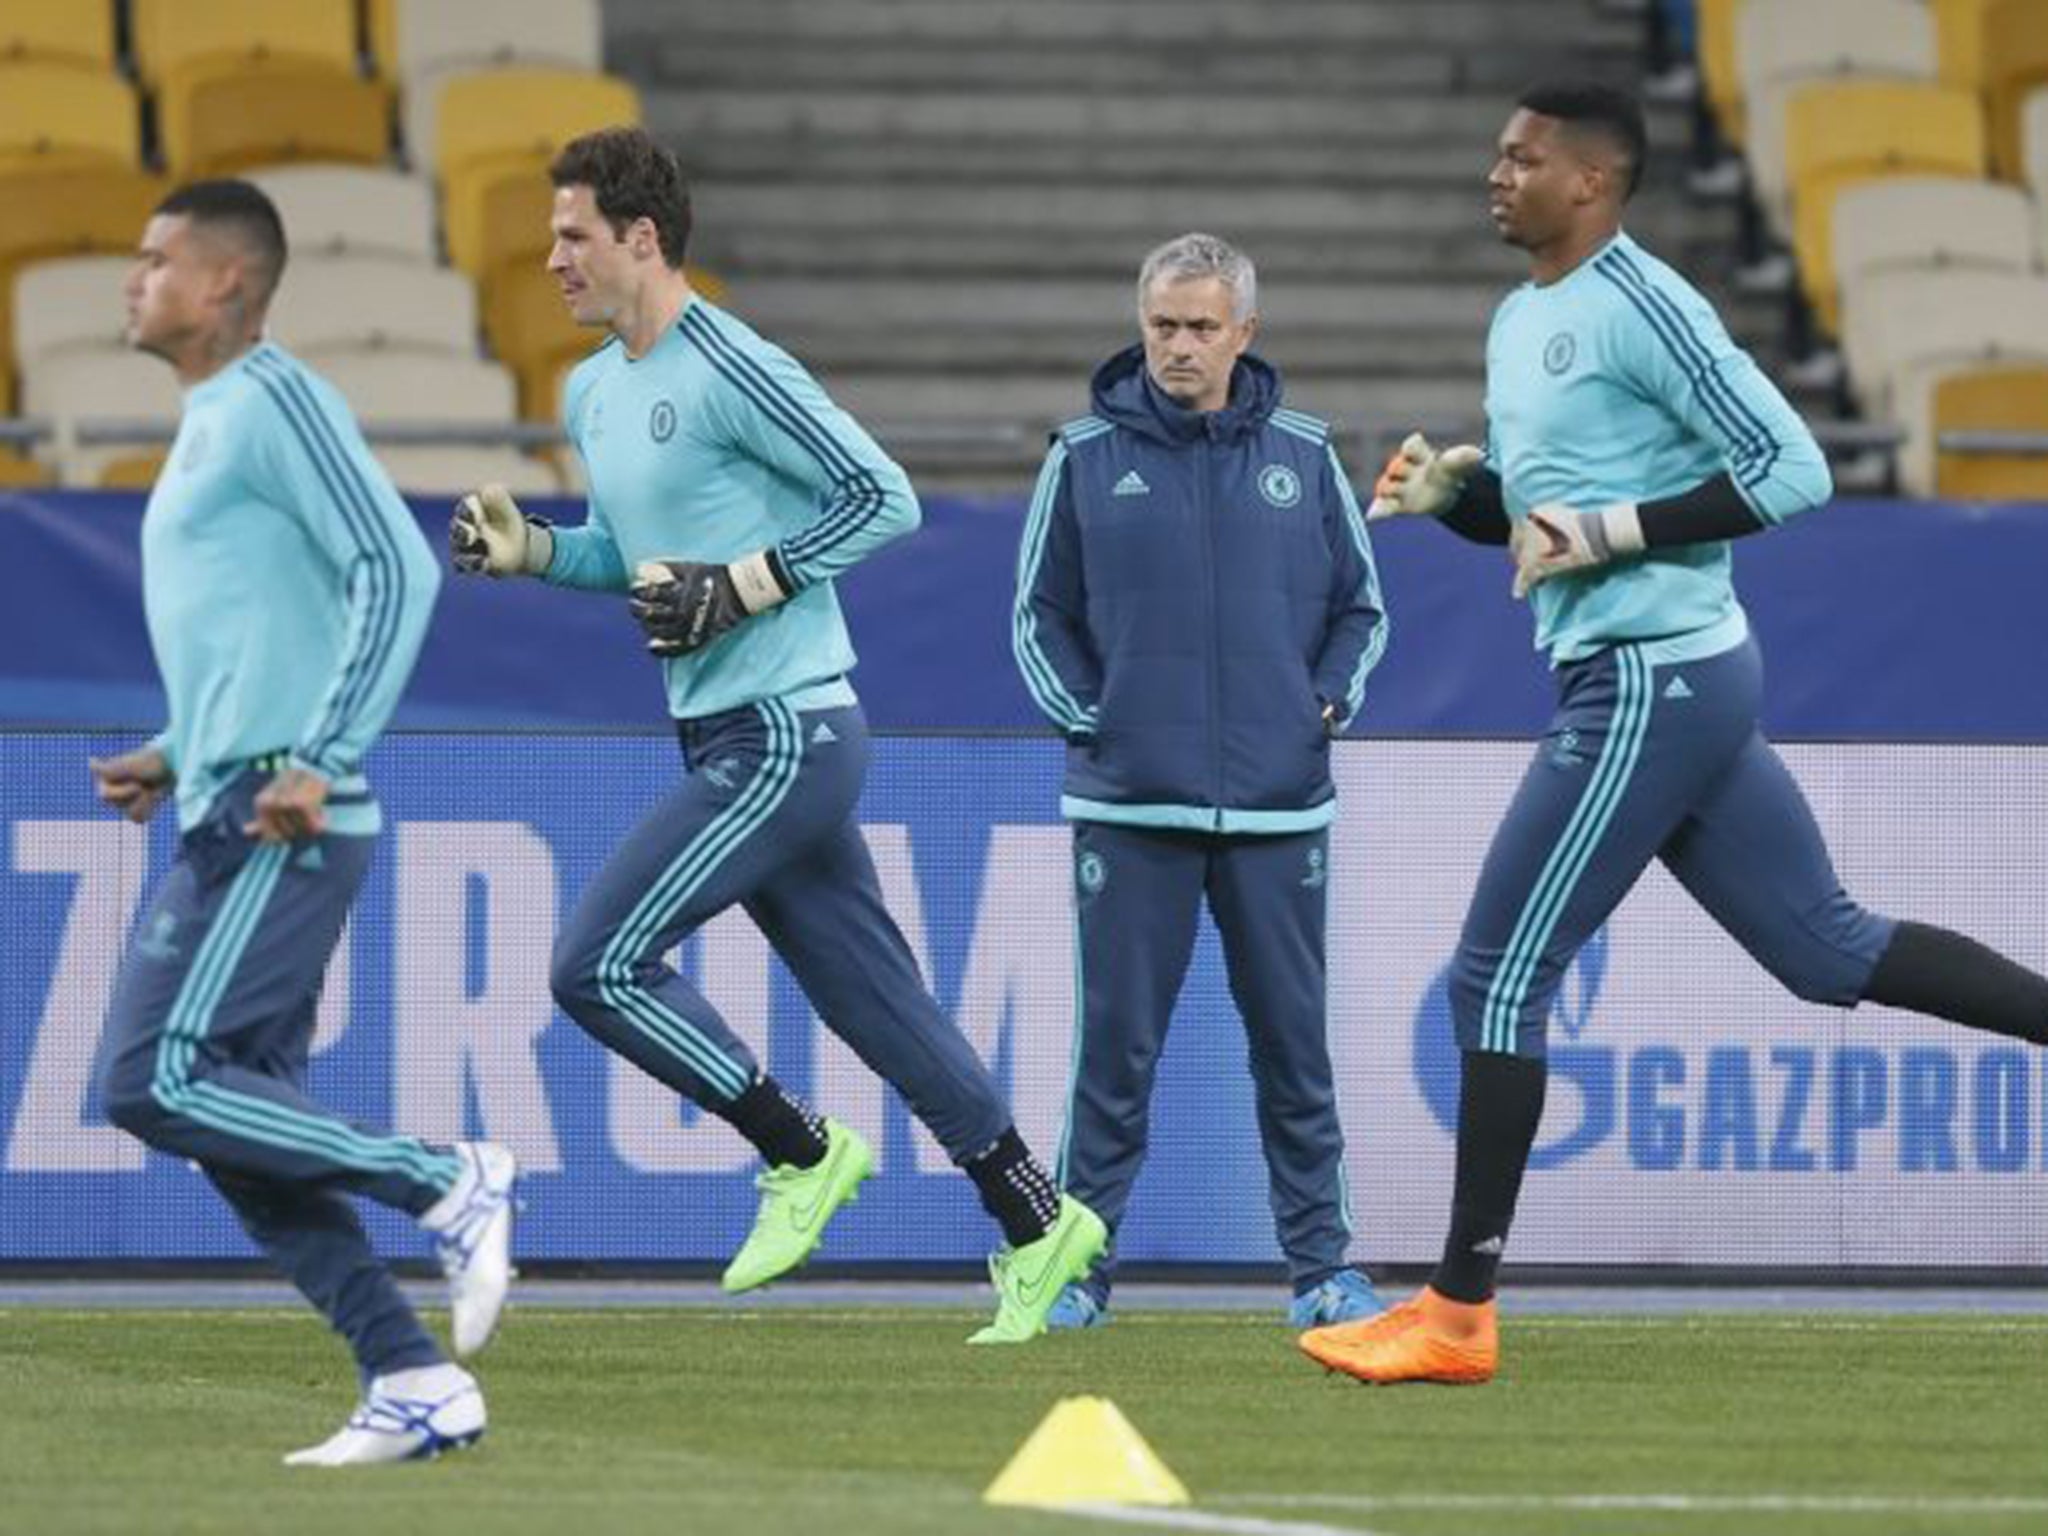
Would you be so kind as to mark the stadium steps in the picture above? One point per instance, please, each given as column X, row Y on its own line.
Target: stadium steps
column 940, row 204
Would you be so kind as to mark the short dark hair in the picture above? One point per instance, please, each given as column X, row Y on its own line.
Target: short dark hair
column 632, row 175
column 1611, row 114
column 245, row 212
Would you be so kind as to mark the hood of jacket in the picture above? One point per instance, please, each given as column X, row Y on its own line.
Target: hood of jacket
column 1124, row 393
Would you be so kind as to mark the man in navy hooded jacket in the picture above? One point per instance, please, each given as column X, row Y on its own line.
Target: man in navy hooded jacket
column 1197, row 611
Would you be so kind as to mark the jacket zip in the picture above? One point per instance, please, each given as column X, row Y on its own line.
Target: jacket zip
column 1208, row 516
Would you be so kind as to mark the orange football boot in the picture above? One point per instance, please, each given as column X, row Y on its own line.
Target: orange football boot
column 1428, row 1337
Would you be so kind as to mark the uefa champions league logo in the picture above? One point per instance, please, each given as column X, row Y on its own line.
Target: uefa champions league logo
column 1585, row 1071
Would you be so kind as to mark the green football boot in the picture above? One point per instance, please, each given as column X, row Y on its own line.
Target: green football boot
column 1029, row 1280
column 795, row 1205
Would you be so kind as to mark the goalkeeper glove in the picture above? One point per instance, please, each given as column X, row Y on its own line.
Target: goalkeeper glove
column 685, row 605
column 490, row 536
column 1554, row 539
column 1420, row 481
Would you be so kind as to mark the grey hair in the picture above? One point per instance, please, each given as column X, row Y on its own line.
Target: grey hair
column 1196, row 256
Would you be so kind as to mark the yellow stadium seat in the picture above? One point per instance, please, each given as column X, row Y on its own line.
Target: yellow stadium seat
column 1716, row 45
column 169, row 33
column 1959, row 32
column 66, row 212
column 1838, row 135
column 2015, row 65
column 219, row 116
column 63, row 115
column 20, row 474
column 1991, row 400
column 497, row 132
column 133, row 471
column 381, row 19
column 79, row 32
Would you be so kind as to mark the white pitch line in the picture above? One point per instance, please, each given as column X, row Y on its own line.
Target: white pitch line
column 1201, row 1520
column 1703, row 1503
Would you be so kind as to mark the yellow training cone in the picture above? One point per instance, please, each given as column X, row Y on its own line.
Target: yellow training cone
column 1085, row 1452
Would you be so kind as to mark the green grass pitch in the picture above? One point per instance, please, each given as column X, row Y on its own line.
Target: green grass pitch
column 881, row 1420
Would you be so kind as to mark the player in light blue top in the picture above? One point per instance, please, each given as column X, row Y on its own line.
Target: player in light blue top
column 287, row 589
column 1628, row 441
column 726, row 492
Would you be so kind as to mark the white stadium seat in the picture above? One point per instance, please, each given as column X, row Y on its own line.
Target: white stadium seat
column 71, row 302
column 418, row 387
column 452, row 471
column 353, row 210
column 100, row 384
column 1899, row 323
column 440, row 39
column 335, row 303
column 1787, row 44
column 1932, row 221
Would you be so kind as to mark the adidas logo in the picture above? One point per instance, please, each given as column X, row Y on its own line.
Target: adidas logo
column 1679, row 689
column 823, row 734
column 311, row 859
column 1495, row 1246
column 1132, row 484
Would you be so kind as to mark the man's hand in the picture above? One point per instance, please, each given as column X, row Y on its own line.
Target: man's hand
column 1554, row 539
column 490, row 536
column 684, row 605
column 133, row 783
column 1419, row 481
column 291, row 806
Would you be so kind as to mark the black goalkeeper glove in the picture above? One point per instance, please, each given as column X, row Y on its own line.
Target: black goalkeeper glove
column 685, row 605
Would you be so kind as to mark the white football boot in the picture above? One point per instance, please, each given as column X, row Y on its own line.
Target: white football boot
column 406, row 1416
column 472, row 1230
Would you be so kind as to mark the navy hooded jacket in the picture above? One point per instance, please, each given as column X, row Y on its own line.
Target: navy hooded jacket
column 1192, row 590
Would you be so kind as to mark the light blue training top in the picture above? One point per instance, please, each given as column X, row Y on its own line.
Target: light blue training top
column 286, row 585
column 1618, row 382
column 714, row 445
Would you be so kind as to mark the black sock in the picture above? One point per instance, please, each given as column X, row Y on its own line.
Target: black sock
column 1931, row 970
column 785, row 1131
column 1500, row 1100
column 1015, row 1189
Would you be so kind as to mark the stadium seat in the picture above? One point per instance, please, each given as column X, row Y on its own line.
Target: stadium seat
column 451, row 471
column 1897, row 325
column 438, row 40
column 20, row 473
column 96, row 384
column 1959, row 39
column 334, row 303
column 414, row 388
column 1838, row 135
column 63, row 116
column 76, row 32
column 75, row 301
column 528, row 327
column 1719, row 76
column 168, row 34
column 1990, row 400
column 1925, row 221
column 353, row 210
column 54, row 212
column 2015, row 65
column 1787, row 45
column 132, row 471
column 222, row 115
column 496, row 134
